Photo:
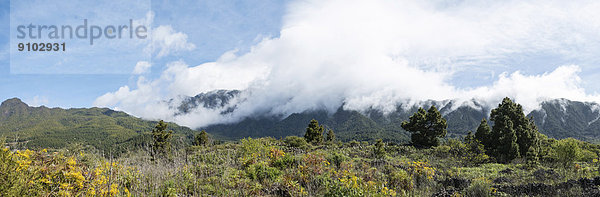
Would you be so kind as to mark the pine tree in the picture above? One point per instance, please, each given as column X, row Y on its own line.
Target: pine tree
column 512, row 134
column 469, row 138
column 506, row 148
column 201, row 139
column 483, row 133
column 426, row 127
column 379, row 149
column 162, row 141
column 330, row 135
column 314, row 132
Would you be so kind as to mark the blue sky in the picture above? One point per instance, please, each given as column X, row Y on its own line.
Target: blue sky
column 296, row 55
column 213, row 26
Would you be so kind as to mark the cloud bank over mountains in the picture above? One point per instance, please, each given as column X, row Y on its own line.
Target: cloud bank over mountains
column 377, row 54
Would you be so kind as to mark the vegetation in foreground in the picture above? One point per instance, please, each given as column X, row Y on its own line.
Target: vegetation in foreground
column 292, row 167
column 521, row 162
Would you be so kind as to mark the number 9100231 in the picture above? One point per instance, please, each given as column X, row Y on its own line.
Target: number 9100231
column 41, row 46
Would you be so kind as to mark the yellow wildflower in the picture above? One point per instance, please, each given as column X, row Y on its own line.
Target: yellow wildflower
column 114, row 190
column 71, row 161
column 127, row 192
column 91, row 192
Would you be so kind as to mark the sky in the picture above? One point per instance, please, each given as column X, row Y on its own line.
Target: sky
column 213, row 27
column 297, row 55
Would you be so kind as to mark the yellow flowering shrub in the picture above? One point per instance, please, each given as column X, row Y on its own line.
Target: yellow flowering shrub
column 31, row 173
column 421, row 172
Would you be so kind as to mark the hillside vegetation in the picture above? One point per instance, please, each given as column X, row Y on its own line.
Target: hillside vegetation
column 291, row 167
column 105, row 129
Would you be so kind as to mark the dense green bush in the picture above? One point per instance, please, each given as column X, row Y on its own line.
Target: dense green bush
column 297, row 142
column 337, row 158
column 285, row 162
column 400, row 180
column 262, row 172
column 568, row 151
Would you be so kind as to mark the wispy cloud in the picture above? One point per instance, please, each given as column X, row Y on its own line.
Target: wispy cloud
column 37, row 101
column 142, row 67
column 166, row 41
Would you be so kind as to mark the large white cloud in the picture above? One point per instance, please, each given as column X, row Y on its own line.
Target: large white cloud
column 380, row 53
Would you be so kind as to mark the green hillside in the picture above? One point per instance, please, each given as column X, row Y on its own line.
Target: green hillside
column 348, row 125
column 102, row 128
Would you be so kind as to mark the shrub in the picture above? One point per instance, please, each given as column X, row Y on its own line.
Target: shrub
column 168, row 188
column 567, row 151
column 353, row 143
column 355, row 186
column 337, row 158
column 400, row 180
column 442, row 151
column 406, row 150
column 31, row 173
column 457, row 148
column 297, row 142
column 262, row 172
column 421, row 172
column 480, row 187
column 313, row 164
column 287, row 161
column 587, row 155
column 253, row 150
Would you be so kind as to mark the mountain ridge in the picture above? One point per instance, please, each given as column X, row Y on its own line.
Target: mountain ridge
column 103, row 128
column 558, row 118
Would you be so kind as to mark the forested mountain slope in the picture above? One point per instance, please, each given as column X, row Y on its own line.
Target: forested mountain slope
column 103, row 128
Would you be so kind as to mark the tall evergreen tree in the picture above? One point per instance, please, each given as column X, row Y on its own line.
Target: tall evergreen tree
column 483, row 133
column 426, row 127
column 314, row 132
column 505, row 147
column 162, row 140
column 469, row 138
column 201, row 139
column 513, row 133
column 330, row 135
column 379, row 149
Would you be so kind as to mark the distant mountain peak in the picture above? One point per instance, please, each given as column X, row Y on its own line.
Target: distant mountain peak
column 210, row 100
column 12, row 102
column 13, row 106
